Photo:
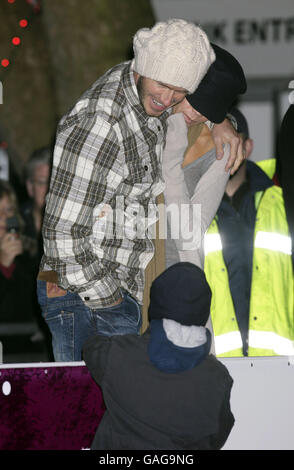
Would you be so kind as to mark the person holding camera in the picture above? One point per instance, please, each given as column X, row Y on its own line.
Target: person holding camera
column 18, row 303
column 11, row 244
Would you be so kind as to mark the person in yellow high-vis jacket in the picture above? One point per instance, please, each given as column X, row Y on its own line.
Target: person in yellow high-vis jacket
column 248, row 263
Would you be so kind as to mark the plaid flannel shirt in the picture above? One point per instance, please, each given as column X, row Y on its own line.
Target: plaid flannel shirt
column 107, row 153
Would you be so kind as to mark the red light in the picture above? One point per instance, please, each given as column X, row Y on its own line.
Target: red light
column 4, row 62
column 23, row 23
column 16, row 41
column 11, row 1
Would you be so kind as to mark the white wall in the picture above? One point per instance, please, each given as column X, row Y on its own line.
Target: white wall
column 259, row 116
column 260, row 33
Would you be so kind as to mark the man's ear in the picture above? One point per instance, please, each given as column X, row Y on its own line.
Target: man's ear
column 136, row 76
column 248, row 147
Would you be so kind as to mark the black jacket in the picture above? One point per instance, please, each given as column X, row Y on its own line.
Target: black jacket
column 18, row 302
column 150, row 409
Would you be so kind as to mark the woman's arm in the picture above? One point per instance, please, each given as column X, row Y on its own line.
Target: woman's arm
column 190, row 217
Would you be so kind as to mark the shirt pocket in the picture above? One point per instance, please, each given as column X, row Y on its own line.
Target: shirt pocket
column 140, row 165
column 138, row 181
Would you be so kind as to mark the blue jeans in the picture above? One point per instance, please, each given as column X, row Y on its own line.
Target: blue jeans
column 71, row 322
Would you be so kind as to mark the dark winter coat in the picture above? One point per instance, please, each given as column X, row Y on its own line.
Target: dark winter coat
column 151, row 409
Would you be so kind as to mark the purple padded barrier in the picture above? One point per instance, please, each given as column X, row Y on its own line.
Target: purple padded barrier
column 48, row 407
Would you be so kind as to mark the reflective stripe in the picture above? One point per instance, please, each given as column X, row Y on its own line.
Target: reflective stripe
column 271, row 340
column 227, row 342
column 212, row 242
column 273, row 241
column 268, row 240
column 257, row 339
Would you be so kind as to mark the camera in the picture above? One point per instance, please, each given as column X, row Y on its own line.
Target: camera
column 12, row 225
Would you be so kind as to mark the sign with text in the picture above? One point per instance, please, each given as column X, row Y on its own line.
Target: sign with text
column 260, row 33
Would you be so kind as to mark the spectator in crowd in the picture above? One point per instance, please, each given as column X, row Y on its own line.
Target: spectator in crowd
column 248, row 262
column 37, row 174
column 17, row 280
column 162, row 390
column 108, row 149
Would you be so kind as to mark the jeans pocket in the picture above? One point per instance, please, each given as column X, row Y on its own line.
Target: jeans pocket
column 132, row 311
column 124, row 318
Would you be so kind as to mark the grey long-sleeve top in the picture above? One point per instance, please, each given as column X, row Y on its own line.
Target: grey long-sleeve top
column 189, row 213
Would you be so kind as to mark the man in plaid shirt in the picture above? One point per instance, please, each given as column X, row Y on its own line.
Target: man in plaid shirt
column 106, row 175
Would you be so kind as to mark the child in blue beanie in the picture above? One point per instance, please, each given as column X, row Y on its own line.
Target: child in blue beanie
column 163, row 390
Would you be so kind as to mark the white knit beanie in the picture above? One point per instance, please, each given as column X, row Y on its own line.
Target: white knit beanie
column 175, row 52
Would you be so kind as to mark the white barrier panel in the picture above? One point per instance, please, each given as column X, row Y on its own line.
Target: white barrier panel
column 262, row 403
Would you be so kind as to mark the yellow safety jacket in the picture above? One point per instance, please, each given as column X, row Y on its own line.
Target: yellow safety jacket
column 271, row 322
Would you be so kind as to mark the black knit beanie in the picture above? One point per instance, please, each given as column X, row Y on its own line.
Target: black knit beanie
column 181, row 293
column 220, row 87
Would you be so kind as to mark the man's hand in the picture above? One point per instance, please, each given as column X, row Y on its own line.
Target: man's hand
column 225, row 133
